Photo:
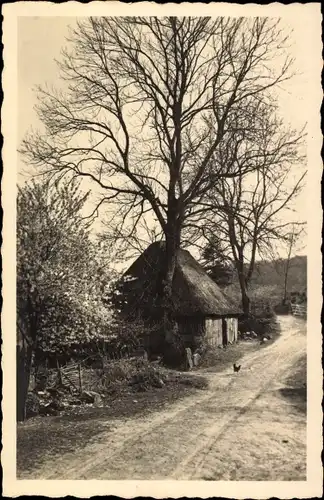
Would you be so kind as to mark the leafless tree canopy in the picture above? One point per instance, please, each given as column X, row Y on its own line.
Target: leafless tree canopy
column 167, row 117
column 268, row 159
column 246, row 211
column 148, row 102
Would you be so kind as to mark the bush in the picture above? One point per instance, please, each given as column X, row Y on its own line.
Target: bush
column 262, row 322
column 138, row 374
column 282, row 309
column 147, row 378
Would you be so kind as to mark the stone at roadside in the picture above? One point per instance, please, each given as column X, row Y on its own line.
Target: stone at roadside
column 98, row 399
column 196, row 359
column 56, row 393
column 57, row 405
column 90, row 397
column 157, row 382
column 189, row 358
column 48, row 409
column 75, row 402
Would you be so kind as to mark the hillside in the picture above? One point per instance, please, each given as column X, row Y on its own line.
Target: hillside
column 268, row 279
column 272, row 273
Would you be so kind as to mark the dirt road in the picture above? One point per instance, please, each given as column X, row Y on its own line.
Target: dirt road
column 246, row 426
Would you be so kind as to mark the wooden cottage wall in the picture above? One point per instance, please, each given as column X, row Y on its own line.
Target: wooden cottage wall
column 213, row 332
column 232, row 328
column 191, row 330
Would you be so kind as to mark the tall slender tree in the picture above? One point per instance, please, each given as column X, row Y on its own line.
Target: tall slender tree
column 247, row 211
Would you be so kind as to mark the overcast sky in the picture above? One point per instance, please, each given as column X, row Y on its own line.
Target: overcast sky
column 41, row 39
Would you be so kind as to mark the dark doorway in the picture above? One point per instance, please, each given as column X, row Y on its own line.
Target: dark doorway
column 224, row 331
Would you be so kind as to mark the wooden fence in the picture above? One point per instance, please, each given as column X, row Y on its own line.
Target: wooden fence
column 299, row 310
column 71, row 375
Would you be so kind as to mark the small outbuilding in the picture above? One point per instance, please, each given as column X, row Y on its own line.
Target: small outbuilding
column 201, row 309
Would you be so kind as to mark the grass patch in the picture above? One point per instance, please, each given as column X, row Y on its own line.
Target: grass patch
column 296, row 390
column 217, row 360
column 193, row 381
column 298, row 377
column 261, row 322
column 49, row 437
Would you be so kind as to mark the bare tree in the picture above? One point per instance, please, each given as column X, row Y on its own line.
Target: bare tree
column 246, row 212
column 292, row 238
column 145, row 108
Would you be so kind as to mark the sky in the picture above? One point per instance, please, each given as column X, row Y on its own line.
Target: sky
column 40, row 42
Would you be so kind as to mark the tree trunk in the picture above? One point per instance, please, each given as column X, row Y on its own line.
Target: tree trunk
column 291, row 242
column 171, row 250
column 284, row 300
column 24, row 353
column 173, row 349
column 238, row 255
column 245, row 303
column 245, row 296
column 23, row 366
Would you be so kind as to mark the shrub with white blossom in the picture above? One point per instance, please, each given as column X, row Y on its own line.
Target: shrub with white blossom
column 61, row 271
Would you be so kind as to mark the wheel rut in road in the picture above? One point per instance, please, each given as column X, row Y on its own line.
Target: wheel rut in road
column 233, row 429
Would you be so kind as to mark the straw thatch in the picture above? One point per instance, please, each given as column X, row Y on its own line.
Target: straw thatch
column 195, row 293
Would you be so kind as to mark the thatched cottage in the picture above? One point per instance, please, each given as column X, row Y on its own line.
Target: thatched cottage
column 201, row 309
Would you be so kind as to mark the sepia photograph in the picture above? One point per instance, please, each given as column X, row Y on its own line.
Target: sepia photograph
column 166, row 179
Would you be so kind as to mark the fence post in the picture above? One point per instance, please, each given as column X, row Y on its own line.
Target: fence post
column 80, row 377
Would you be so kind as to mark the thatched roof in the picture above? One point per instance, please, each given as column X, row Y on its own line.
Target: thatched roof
column 195, row 293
